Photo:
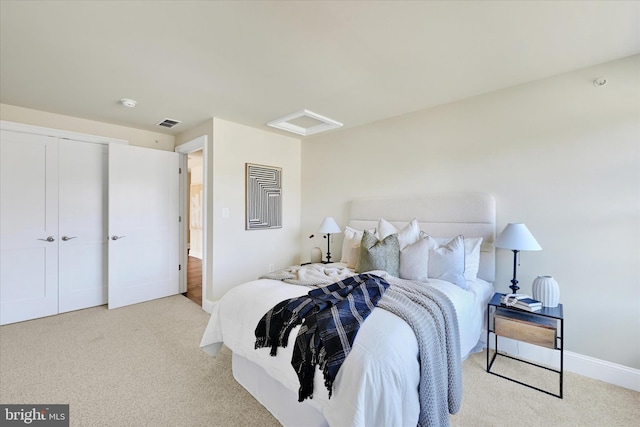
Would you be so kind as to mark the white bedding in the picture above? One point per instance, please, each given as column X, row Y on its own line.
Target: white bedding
column 377, row 383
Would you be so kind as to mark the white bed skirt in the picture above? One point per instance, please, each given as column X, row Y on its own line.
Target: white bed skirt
column 279, row 400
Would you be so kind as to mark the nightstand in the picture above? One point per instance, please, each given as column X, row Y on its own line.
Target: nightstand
column 544, row 328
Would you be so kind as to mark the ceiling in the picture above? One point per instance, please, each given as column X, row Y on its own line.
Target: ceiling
column 252, row 62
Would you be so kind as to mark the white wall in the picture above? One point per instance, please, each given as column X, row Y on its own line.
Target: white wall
column 558, row 154
column 140, row 138
column 237, row 255
column 240, row 255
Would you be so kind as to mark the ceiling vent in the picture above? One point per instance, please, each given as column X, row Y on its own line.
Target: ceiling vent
column 304, row 123
column 169, row 123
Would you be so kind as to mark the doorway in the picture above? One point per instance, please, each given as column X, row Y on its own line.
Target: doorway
column 193, row 213
column 195, row 236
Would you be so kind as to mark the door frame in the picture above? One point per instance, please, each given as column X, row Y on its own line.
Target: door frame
column 199, row 143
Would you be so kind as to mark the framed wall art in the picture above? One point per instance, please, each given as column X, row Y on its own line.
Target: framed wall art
column 263, row 197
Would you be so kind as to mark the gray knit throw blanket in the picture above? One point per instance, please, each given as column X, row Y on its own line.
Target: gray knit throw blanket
column 432, row 317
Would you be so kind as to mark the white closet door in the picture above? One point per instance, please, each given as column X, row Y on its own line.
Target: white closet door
column 28, row 226
column 82, row 225
column 143, row 224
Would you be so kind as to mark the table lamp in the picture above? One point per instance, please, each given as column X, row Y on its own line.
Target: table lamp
column 328, row 227
column 517, row 237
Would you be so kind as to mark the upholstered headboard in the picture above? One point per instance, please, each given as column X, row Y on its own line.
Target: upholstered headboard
column 439, row 215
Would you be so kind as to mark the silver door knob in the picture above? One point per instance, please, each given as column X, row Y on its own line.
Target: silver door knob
column 66, row 239
column 48, row 239
column 114, row 237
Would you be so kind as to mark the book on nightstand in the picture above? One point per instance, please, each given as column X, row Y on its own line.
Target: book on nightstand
column 521, row 301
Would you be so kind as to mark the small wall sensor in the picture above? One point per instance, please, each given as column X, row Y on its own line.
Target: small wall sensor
column 599, row 82
column 129, row 103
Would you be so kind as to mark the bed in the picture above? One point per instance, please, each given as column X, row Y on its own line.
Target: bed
column 378, row 381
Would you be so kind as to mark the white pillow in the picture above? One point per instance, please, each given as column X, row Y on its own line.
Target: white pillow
column 414, row 260
column 408, row 235
column 384, row 229
column 351, row 246
column 352, row 255
column 352, row 237
column 446, row 261
column 472, row 247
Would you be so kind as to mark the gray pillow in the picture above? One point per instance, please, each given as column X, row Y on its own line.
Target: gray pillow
column 414, row 261
column 379, row 254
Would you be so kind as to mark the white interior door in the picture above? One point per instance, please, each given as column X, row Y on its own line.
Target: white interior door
column 143, row 224
column 28, row 226
column 82, row 274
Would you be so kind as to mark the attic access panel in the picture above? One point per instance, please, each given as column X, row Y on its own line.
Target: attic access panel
column 305, row 122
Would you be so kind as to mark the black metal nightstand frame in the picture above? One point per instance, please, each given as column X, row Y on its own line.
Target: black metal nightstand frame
column 555, row 313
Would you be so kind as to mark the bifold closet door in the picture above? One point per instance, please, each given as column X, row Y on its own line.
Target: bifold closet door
column 28, row 226
column 82, row 224
column 143, row 224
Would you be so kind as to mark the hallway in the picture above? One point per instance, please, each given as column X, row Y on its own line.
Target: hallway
column 194, row 280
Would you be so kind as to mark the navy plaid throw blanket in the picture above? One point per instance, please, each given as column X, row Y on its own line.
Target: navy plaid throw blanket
column 330, row 317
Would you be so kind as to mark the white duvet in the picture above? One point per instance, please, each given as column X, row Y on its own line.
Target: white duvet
column 378, row 382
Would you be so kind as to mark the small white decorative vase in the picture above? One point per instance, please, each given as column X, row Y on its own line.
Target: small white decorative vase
column 545, row 289
column 316, row 255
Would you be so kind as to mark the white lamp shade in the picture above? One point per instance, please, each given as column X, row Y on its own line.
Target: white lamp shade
column 516, row 236
column 329, row 226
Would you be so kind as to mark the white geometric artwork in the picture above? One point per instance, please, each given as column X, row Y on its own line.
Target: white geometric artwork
column 264, row 197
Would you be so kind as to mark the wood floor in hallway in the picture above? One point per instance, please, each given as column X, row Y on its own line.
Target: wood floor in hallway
column 194, row 280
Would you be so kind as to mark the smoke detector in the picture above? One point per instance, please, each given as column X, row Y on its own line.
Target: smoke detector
column 129, row 103
column 599, row 82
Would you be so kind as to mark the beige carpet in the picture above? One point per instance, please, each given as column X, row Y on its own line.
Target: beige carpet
column 141, row 366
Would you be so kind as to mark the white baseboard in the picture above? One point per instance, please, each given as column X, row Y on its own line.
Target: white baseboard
column 602, row 370
column 612, row 373
column 195, row 254
column 208, row 305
